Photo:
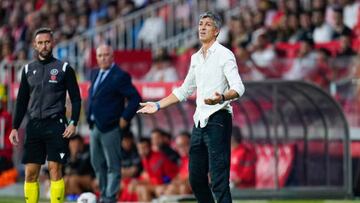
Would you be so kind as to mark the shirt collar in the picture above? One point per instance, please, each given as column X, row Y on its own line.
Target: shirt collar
column 107, row 70
column 212, row 48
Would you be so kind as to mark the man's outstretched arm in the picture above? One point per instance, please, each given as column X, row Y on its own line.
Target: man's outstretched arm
column 153, row 107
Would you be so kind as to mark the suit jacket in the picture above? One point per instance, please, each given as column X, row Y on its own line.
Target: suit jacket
column 107, row 102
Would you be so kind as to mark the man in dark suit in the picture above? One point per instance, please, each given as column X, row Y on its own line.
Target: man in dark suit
column 108, row 117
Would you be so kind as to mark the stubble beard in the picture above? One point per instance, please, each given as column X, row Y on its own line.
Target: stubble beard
column 45, row 53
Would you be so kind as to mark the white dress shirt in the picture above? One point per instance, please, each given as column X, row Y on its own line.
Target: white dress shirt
column 218, row 72
column 323, row 33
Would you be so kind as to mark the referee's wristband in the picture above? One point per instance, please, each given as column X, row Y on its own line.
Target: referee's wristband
column 71, row 122
column 157, row 106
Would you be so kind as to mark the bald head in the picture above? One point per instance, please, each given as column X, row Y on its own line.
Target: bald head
column 104, row 56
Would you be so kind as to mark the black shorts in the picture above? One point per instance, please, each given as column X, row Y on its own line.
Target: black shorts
column 44, row 139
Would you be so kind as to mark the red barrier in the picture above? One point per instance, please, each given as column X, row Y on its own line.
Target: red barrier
column 265, row 165
column 148, row 91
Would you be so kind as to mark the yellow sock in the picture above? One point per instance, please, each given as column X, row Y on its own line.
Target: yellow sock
column 57, row 190
column 31, row 192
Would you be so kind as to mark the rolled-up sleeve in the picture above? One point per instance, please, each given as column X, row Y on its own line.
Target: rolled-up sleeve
column 188, row 86
column 232, row 75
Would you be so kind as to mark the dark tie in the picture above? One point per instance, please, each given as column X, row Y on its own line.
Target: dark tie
column 98, row 82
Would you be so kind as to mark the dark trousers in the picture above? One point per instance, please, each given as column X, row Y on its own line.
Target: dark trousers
column 210, row 152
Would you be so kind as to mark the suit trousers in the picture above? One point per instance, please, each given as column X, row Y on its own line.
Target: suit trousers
column 210, row 152
column 106, row 160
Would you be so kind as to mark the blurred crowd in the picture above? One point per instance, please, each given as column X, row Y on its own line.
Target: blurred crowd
column 295, row 39
column 19, row 19
column 317, row 41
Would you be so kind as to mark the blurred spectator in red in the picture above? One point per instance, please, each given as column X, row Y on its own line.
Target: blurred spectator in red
column 8, row 174
column 162, row 70
column 79, row 175
column 5, row 128
column 157, row 171
column 131, row 167
column 243, row 162
column 304, row 63
column 180, row 185
column 323, row 31
column 339, row 27
column 161, row 142
column 323, row 73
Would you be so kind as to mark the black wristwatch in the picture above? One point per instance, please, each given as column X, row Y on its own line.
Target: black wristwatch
column 222, row 99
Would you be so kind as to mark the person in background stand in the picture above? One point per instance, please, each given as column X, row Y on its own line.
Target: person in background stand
column 112, row 104
column 79, row 175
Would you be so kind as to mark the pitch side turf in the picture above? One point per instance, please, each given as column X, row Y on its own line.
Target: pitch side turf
column 20, row 200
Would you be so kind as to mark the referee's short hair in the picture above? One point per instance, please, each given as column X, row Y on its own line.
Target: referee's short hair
column 213, row 16
column 43, row 30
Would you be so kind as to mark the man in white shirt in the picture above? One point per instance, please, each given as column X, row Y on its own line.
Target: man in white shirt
column 214, row 75
column 323, row 31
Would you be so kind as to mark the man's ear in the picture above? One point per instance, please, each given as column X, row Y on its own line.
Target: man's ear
column 218, row 32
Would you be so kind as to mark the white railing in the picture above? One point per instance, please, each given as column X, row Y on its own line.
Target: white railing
column 172, row 26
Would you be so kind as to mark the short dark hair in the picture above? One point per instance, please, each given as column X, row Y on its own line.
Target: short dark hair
column 43, row 30
column 158, row 130
column 308, row 41
column 213, row 16
column 338, row 9
column 128, row 134
column 145, row 140
column 184, row 134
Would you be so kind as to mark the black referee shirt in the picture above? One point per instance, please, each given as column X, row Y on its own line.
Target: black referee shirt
column 42, row 91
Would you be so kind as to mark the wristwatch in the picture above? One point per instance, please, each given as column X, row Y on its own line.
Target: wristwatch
column 222, row 99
